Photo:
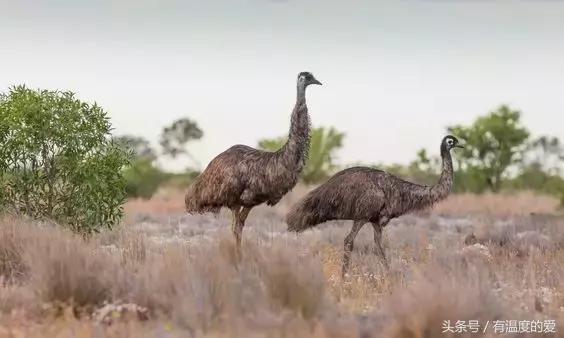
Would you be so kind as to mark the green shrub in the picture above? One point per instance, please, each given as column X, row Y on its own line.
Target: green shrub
column 180, row 180
column 57, row 160
column 143, row 178
column 533, row 177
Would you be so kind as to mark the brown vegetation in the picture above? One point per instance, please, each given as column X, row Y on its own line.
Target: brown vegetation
column 521, row 203
column 170, row 276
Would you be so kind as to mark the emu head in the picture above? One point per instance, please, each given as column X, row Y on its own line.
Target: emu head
column 306, row 78
column 450, row 142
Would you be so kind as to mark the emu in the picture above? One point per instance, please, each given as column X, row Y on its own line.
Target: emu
column 242, row 177
column 366, row 195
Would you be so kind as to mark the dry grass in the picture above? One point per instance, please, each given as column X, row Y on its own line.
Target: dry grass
column 521, row 203
column 501, row 205
column 178, row 276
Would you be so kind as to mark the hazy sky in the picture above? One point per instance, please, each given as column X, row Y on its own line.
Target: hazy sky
column 395, row 73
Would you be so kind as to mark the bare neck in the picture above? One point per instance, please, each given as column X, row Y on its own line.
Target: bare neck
column 441, row 190
column 294, row 152
column 301, row 89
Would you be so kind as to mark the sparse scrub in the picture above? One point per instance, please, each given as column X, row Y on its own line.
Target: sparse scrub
column 12, row 242
column 192, row 284
column 501, row 205
column 293, row 282
column 143, row 179
column 465, row 293
column 67, row 269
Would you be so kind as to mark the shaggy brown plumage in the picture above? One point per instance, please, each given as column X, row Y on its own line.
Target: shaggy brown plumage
column 242, row 177
column 367, row 195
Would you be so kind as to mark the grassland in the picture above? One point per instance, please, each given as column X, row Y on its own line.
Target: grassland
column 166, row 274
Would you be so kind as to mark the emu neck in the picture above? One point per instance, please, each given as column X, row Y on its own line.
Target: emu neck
column 443, row 187
column 294, row 152
column 301, row 89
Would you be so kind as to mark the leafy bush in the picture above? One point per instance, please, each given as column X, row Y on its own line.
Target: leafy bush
column 180, row 180
column 57, row 160
column 143, row 178
column 533, row 177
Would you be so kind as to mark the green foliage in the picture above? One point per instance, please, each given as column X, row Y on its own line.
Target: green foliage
column 470, row 179
column 324, row 144
column 272, row 144
column 497, row 156
column 546, row 152
column 182, row 180
column 422, row 170
column 533, row 177
column 541, row 168
column 58, row 161
column 493, row 143
column 143, row 178
column 175, row 137
column 137, row 146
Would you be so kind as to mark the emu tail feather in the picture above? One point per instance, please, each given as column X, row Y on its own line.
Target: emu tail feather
column 303, row 216
column 190, row 201
column 196, row 201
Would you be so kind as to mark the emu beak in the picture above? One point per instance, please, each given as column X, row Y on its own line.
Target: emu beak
column 459, row 146
column 314, row 81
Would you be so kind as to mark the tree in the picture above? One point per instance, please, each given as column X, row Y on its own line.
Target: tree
column 58, row 160
column 138, row 146
column 175, row 137
column 143, row 178
column 424, row 169
column 324, row 144
column 493, row 143
column 546, row 152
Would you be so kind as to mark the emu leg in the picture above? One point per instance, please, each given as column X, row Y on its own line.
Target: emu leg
column 378, row 249
column 349, row 245
column 234, row 225
column 238, row 223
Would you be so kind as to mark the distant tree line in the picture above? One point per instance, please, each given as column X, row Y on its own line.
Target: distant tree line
column 144, row 176
column 499, row 155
